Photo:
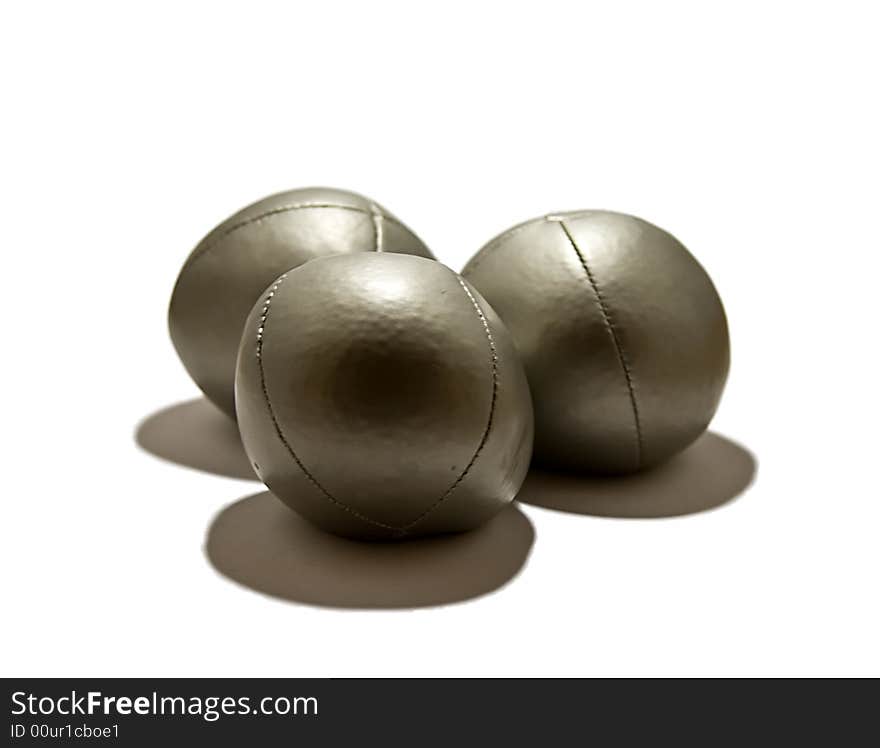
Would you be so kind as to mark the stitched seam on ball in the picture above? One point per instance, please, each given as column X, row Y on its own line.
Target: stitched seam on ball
column 377, row 226
column 485, row 438
column 264, row 315
column 276, row 211
column 609, row 325
column 489, row 249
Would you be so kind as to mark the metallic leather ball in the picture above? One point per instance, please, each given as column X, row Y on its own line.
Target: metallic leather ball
column 380, row 397
column 228, row 270
column 621, row 331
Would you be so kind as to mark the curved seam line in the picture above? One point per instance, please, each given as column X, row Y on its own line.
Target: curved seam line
column 494, row 360
column 377, row 226
column 197, row 252
column 609, row 325
column 493, row 244
column 264, row 315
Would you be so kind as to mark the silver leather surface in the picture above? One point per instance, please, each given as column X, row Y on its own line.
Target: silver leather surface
column 381, row 397
column 621, row 331
column 233, row 264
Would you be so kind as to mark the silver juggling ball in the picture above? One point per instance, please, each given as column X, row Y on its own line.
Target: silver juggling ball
column 380, row 396
column 621, row 331
column 233, row 264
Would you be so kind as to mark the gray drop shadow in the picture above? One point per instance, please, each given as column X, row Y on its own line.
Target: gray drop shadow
column 198, row 435
column 710, row 473
column 261, row 544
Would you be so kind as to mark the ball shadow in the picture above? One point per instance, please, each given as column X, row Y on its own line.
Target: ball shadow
column 710, row 473
column 197, row 435
column 261, row 544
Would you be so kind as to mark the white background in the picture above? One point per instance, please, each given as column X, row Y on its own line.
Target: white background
column 750, row 131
